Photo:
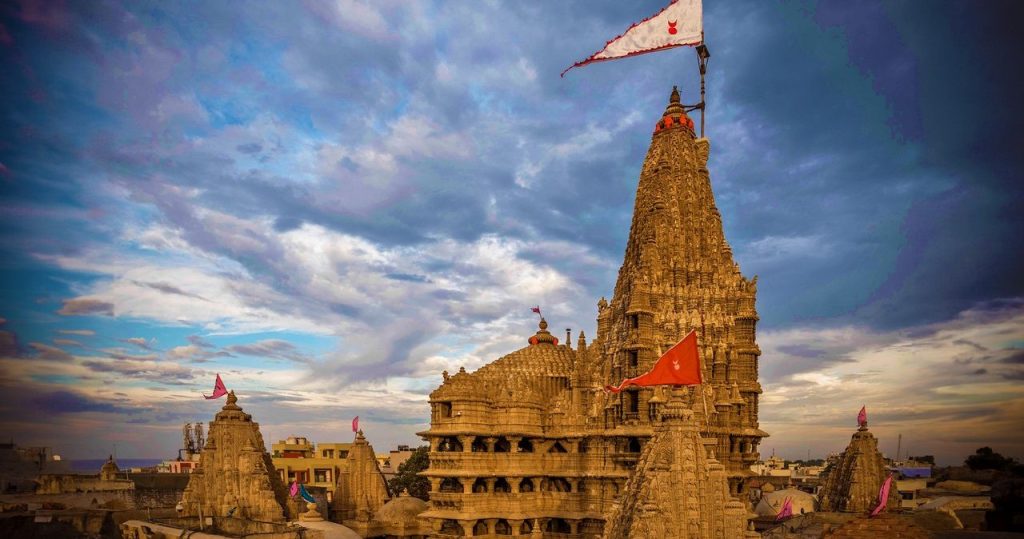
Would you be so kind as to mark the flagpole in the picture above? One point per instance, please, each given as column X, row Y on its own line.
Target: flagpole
column 702, row 64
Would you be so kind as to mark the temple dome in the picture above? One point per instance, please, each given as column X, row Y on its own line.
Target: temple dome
column 331, row 530
column 402, row 510
column 771, row 502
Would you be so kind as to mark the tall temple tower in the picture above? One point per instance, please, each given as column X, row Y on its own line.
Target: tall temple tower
column 531, row 444
column 678, row 275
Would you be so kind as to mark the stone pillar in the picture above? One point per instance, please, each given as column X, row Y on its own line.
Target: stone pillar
column 490, row 525
column 435, row 484
column 467, row 527
column 574, row 526
column 467, row 443
column 490, row 441
column 514, row 440
column 516, row 526
column 467, row 484
column 574, row 483
column 435, row 442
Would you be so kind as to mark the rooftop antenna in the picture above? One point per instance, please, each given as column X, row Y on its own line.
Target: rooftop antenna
column 899, row 445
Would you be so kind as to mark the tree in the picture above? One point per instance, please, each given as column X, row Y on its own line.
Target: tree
column 986, row 459
column 407, row 479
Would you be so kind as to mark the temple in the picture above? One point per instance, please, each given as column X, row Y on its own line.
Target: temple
column 236, row 476
column 531, row 444
column 853, row 483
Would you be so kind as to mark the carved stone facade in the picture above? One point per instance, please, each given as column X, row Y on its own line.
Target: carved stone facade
column 235, row 475
column 853, row 483
column 678, row 489
column 530, row 444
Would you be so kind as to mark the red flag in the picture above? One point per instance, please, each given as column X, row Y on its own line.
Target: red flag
column 786, row 511
column 862, row 417
column 218, row 389
column 355, row 424
column 883, row 495
column 679, row 24
column 536, row 310
column 680, row 366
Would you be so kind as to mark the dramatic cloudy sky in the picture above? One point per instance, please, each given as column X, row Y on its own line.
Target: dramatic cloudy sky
column 329, row 203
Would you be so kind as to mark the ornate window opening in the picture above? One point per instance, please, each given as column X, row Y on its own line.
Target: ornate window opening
column 450, row 484
column 559, row 525
column 501, row 485
column 451, row 527
column 479, row 486
column 557, row 448
column 526, row 485
column 502, row 445
column 525, row 446
column 502, row 528
column 480, row 528
column 479, row 446
column 449, row 443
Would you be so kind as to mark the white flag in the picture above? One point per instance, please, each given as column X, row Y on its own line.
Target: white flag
column 681, row 23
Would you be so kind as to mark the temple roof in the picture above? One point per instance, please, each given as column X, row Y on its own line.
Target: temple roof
column 401, row 510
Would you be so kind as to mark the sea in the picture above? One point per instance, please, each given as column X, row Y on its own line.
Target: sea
column 93, row 465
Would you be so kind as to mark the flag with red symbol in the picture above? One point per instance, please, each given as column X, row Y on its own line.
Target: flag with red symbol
column 681, row 23
column 680, row 366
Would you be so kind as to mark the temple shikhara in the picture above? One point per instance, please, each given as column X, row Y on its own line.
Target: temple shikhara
column 531, row 444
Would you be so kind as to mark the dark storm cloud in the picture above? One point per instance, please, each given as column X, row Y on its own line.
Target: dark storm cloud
column 69, row 402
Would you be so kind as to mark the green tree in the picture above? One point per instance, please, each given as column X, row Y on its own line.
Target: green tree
column 407, row 479
column 986, row 459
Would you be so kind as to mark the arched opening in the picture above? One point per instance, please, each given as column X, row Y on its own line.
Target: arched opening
column 526, row 485
column 584, row 446
column 479, row 486
column 449, row 443
column 450, row 484
column 479, row 446
column 502, row 446
column 452, row 527
column 526, row 528
column 502, row 528
column 501, row 485
column 525, row 446
column 633, row 446
column 556, row 484
column 480, row 528
column 557, row 448
column 558, row 525
column 582, row 485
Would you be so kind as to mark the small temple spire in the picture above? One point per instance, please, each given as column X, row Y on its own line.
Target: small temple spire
column 543, row 336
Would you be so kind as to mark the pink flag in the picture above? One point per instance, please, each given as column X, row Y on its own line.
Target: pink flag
column 786, row 511
column 862, row 417
column 883, row 495
column 536, row 310
column 678, row 24
column 355, row 424
column 294, row 491
column 218, row 389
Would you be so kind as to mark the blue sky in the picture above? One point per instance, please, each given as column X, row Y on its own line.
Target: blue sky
column 329, row 203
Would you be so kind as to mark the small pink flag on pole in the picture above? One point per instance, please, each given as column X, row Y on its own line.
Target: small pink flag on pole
column 536, row 310
column 355, row 424
column 883, row 495
column 218, row 389
column 862, row 417
column 294, row 491
column 786, row 511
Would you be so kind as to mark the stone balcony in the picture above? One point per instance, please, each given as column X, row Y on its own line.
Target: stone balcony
column 568, row 505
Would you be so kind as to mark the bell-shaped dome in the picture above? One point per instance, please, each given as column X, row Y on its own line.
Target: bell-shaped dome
column 771, row 502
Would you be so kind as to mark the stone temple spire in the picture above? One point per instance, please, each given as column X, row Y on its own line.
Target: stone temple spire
column 678, row 275
column 235, row 473
column 853, row 482
column 678, row 489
